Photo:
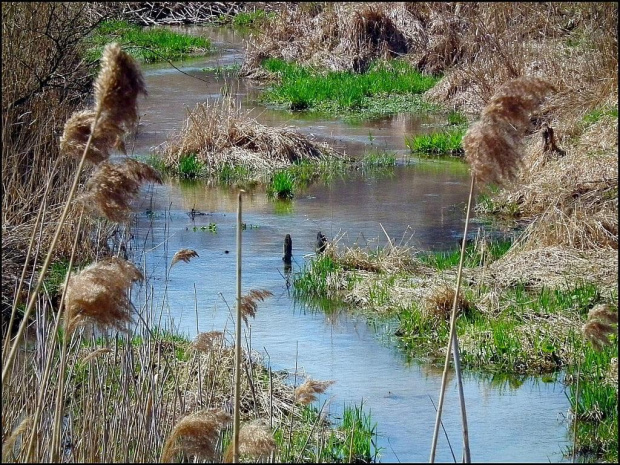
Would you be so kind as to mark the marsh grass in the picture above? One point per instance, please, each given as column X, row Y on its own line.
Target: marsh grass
column 438, row 143
column 302, row 88
column 147, row 44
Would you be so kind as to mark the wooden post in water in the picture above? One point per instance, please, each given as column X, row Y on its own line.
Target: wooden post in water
column 287, row 256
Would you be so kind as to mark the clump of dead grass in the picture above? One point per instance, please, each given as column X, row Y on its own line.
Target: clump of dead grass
column 98, row 294
column 439, row 304
column 221, row 134
column 255, row 440
column 196, row 435
column 209, row 341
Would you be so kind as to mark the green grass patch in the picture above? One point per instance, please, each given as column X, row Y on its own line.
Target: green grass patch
column 146, row 44
column 456, row 118
column 281, row 185
column 595, row 115
column 251, row 18
column 313, row 279
column 190, row 167
column 474, row 255
column 438, row 143
column 302, row 88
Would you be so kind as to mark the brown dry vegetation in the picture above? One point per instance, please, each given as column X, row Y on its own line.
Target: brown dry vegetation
column 220, row 134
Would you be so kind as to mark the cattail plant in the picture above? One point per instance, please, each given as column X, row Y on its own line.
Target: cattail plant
column 493, row 149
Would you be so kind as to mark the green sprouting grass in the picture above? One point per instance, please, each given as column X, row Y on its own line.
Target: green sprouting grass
column 56, row 277
column 357, row 443
column 439, row 143
column 145, row 43
column 251, row 18
column 444, row 260
column 378, row 159
column 596, row 405
column 595, row 115
column 190, row 167
column 456, row 118
column 312, row 280
column 302, row 88
column 281, row 185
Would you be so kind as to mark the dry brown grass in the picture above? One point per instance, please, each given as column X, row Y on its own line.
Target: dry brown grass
column 222, row 134
column 98, row 294
column 439, row 304
column 206, row 342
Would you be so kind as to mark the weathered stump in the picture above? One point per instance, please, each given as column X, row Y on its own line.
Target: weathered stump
column 287, row 256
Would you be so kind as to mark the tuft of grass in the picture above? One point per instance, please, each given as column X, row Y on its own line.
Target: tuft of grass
column 439, row 143
column 303, row 88
column 251, row 18
column 189, row 167
column 281, row 185
column 595, row 115
column 456, row 118
column 475, row 254
column 147, row 44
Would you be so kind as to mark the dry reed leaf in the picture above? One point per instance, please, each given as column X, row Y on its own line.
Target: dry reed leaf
column 95, row 353
column 196, row 435
column 112, row 187
column 307, row 392
column 9, row 443
column 98, row 294
column 249, row 302
column 493, row 144
column 183, row 255
column 600, row 325
column 206, row 342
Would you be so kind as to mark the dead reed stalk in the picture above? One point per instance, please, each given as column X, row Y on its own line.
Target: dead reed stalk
column 183, row 255
column 307, row 392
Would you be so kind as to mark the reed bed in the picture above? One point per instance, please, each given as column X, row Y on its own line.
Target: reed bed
column 223, row 135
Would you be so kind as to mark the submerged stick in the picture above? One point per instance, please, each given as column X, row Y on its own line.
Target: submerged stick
column 453, row 343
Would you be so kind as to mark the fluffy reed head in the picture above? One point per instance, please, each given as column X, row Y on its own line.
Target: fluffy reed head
column 98, row 294
column 493, row 144
column 255, row 440
column 116, row 93
column 183, row 255
column 249, row 302
column 196, row 435
column 600, row 325
column 112, row 187
column 77, row 130
column 307, row 392
column 118, row 85
column 206, row 342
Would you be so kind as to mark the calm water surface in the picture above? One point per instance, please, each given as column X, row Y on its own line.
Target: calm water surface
column 421, row 205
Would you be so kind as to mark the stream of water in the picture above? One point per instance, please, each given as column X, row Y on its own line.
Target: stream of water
column 418, row 204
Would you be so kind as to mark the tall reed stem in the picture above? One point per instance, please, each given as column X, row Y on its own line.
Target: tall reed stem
column 453, row 344
column 237, row 341
column 8, row 363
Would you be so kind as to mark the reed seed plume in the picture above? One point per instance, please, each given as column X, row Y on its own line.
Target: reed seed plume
column 112, row 187
column 183, row 255
column 117, row 86
column 196, row 435
column 255, row 440
column 9, row 443
column 600, row 325
column 249, row 302
column 98, row 294
column 77, row 131
column 493, row 144
column 307, row 392
column 206, row 342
